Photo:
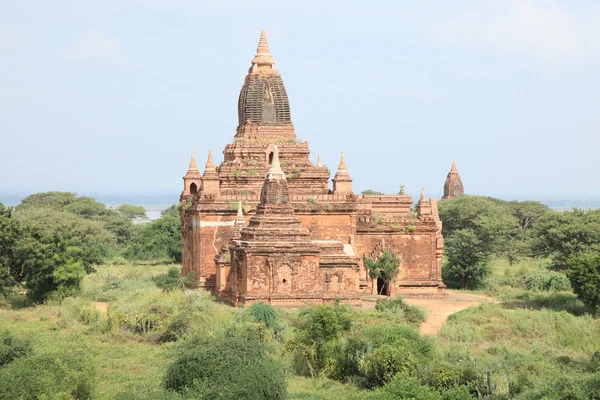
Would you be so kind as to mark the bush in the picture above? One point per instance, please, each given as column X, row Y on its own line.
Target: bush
column 65, row 376
column 547, row 281
column 12, row 347
column 265, row 314
column 414, row 315
column 169, row 281
column 403, row 386
column 236, row 365
column 584, row 274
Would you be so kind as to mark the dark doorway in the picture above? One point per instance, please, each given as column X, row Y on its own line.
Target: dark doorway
column 270, row 158
column 382, row 287
column 193, row 188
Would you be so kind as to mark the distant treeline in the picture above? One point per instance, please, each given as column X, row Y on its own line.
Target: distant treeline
column 51, row 240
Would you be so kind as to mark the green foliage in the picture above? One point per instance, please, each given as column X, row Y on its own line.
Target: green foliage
column 264, row 314
column 475, row 228
column 12, row 347
column 467, row 257
column 584, row 274
column 118, row 226
column 371, row 192
column 550, row 281
column 66, row 376
column 563, row 235
column 403, row 386
column 159, row 239
column 312, row 201
column 412, row 314
column 237, row 364
column 10, row 234
column 386, row 267
column 169, row 281
column 131, row 212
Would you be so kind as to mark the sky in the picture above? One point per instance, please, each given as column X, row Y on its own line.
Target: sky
column 112, row 96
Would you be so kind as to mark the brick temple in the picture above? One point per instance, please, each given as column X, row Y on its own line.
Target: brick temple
column 266, row 225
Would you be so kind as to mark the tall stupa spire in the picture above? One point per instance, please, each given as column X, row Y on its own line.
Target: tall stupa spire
column 262, row 61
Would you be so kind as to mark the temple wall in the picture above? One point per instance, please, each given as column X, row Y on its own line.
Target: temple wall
column 328, row 226
column 416, row 251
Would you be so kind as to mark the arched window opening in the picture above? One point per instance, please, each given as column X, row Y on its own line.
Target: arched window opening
column 271, row 158
column 193, row 188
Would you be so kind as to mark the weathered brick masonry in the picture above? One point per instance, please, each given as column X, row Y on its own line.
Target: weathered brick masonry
column 265, row 225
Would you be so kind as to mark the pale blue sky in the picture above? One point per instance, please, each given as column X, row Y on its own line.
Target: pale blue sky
column 111, row 96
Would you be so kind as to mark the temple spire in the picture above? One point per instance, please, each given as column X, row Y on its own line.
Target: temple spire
column 453, row 169
column 209, row 161
column 239, row 223
column 342, row 167
column 319, row 165
column 453, row 185
column 275, row 171
column 193, row 165
column 423, row 196
column 263, row 57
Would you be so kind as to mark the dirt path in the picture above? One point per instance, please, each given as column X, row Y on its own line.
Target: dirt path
column 438, row 310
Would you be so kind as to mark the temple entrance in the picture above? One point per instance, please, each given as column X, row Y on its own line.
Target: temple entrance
column 382, row 287
column 193, row 188
column 270, row 158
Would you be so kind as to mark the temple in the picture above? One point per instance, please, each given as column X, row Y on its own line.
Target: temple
column 266, row 225
column 453, row 185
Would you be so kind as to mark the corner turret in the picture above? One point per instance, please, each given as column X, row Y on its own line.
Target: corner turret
column 342, row 182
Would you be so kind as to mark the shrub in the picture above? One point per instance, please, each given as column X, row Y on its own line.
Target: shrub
column 169, row 281
column 237, row 364
column 403, row 386
column 12, row 347
column 547, row 281
column 414, row 315
column 264, row 314
column 64, row 376
column 584, row 274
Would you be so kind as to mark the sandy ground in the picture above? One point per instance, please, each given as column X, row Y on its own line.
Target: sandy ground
column 438, row 310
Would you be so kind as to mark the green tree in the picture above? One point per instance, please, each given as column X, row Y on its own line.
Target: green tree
column 491, row 220
column 563, row 235
column 118, row 225
column 131, row 212
column 158, row 239
column 467, row 256
column 386, row 268
column 584, row 274
column 10, row 234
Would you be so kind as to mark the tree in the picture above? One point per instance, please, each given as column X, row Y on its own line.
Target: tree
column 159, row 239
column 371, row 192
column 489, row 219
column 385, row 268
column 131, row 212
column 584, row 274
column 467, row 256
column 563, row 235
column 10, row 234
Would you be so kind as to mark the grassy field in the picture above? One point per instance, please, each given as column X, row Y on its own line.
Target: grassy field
column 523, row 345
